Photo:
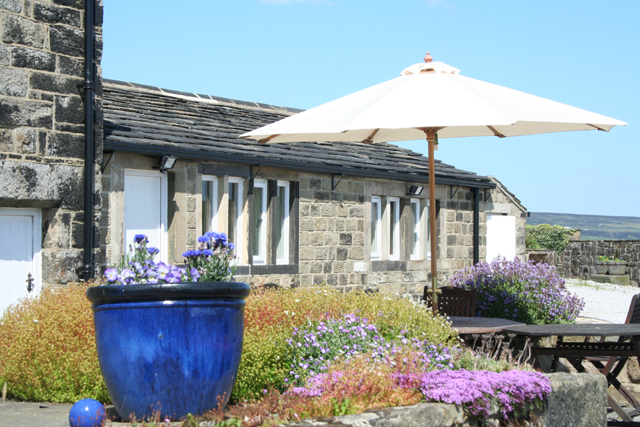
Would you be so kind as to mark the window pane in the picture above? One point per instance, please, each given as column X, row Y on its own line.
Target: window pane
column 233, row 212
column 415, row 218
column 209, row 206
column 279, row 231
column 258, row 197
column 375, row 209
column 392, row 229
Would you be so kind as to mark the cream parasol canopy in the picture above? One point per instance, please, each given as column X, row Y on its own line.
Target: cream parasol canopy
column 430, row 99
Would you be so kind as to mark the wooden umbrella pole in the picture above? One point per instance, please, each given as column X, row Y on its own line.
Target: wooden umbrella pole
column 431, row 140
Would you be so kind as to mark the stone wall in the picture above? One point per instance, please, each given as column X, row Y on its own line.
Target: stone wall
column 333, row 237
column 578, row 258
column 42, row 123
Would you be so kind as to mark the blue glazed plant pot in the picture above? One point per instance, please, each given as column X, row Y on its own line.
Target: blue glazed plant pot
column 169, row 349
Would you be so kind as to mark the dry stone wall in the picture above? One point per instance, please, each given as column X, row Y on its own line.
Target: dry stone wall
column 42, row 123
column 578, row 258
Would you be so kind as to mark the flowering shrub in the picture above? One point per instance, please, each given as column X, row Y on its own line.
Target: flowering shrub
column 315, row 348
column 479, row 390
column 524, row 292
column 209, row 263
column 48, row 349
column 271, row 317
column 402, row 378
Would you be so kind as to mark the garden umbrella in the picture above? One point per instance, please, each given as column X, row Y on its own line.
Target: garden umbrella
column 431, row 99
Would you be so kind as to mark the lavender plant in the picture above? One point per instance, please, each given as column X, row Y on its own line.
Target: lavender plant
column 524, row 292
column 212, row 262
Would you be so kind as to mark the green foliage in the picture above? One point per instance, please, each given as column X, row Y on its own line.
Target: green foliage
column 272, row 315
column 48, row 350
column 604, row 258
column 545, row 236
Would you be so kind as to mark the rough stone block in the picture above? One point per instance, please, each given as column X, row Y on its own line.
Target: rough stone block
column 356, row 253
column 16, row 112
column 56, row 15
column 342, row 254
column 70, row 66
column 30, row 58
column 42, row 184
column 65, row 145
column 356, row 212
column 55, row 83
column 15, row 82
column 346, row 239
column 6, row 140
column 78, row 4
column 25, row 141
column 315, row 267
column 621, row 279
column 19, row 30
column 66, row 40
column 69, row 109
column 11, row 5
column 577, row 400
column 321, row 224
column 61, row 267
column 5, row 55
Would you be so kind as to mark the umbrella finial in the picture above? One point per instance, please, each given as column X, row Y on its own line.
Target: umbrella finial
column 428, row 58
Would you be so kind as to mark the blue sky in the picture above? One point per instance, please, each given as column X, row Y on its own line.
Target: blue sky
column 303, row 53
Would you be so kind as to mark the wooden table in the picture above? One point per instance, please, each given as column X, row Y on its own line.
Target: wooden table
column 480, row 325
column 576, row 352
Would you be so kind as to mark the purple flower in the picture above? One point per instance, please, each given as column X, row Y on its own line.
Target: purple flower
column 153, row 251
column 111, row 274
column 139, row 238
column 172, row 277
column 195, row 274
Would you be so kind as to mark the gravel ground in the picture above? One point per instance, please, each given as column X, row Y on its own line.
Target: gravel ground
column 603, row 301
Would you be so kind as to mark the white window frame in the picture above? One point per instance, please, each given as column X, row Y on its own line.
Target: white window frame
column 285, row 226
column 164, row 191
column 214, row 202
column 239, row 243
column 261, row 259
column 377, row 201
column 395, row 244
column 416, row 230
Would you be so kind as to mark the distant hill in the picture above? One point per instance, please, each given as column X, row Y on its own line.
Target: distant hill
column 593, row 227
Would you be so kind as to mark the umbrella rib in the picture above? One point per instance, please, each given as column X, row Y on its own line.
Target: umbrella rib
column 265, row 140
column 369, row 139
column 495, row 132
column 597, row 127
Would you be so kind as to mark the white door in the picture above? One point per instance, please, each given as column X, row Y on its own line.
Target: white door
column 501, row 237
column 145, row 209
column 20, row 244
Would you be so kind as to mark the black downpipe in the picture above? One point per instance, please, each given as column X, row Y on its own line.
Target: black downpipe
column 476, row 225
column 89, row 143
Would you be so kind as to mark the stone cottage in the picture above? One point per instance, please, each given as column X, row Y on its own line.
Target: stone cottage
column 169, row 164
column 300, row 214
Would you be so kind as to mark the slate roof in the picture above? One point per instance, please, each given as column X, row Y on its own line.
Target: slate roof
column 149, row 120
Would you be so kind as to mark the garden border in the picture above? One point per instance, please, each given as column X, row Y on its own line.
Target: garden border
column 578, row 400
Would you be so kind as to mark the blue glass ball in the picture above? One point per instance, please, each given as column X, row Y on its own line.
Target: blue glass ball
column 87, row 413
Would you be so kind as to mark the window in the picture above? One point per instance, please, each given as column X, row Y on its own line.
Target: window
column 281, row 223
column 376, row 224
column 145, row 209
column 236, row 206
column 394, row 228
column 209, row 203
column 414, row 229
column 259, row 226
